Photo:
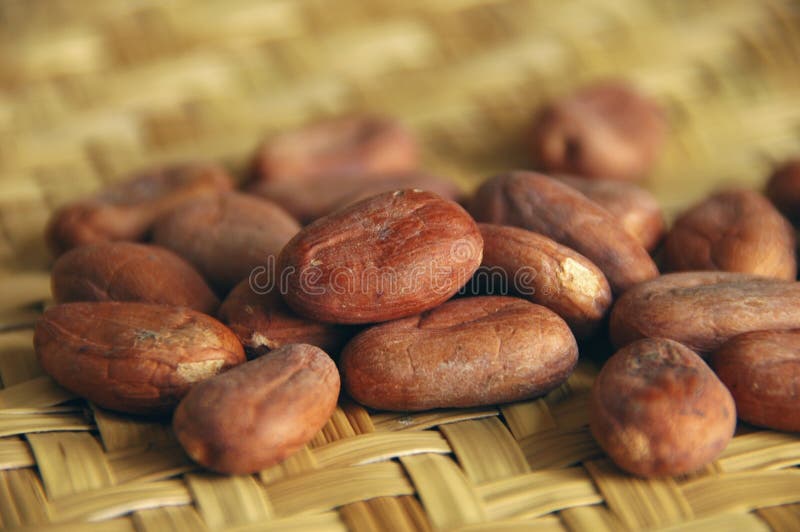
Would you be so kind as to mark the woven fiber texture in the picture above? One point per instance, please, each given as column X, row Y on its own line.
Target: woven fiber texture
column 91, row 90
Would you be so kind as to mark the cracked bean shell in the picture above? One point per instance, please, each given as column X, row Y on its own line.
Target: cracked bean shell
column 263, row 322
column 703, row 310
column 349, row 145
column 762, row 371
column 547, row 273
column 227, row 236
column 657, row 409
column 127, row 210
column 636, row 208
column 468, row 352
column 734, row 231
column 608, row 130
column 544, row 205
column 140, row 358
column 125, row 271
column 386, row 257
column 259, row 413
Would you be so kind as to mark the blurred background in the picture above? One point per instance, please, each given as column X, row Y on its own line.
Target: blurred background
column 91, row 90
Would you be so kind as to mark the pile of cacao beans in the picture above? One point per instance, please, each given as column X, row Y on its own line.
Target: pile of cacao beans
column 179, row 297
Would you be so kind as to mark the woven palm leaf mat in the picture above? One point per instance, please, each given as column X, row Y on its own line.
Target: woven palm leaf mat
column 93, row 89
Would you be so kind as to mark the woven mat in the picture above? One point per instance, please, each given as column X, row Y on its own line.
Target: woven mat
column 92, row 89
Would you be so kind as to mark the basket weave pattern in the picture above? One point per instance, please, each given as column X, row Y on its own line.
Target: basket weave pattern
column 92, row 90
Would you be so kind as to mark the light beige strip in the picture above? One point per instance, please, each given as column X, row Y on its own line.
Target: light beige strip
column 377, row 446
column 559, row 448
column 470, row 441
column 446, row 494
column 168, row 519
column 225, row 501
column 539, row 493
column 640, row 503
column 15, row 453
column 112, row 502
column 70, row 463
column 34, row 393
column 326, row 489
column 737, row 492
column 392, row 421
column 23, row 421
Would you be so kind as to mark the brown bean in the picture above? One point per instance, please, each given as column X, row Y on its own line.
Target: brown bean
column 127, row 210
column 762, row 371
column 226, row 236
column 259, row 413
column 658, row 410
column 264, row 322
column 604, row 131
column 783, row 189
column 704, row 309
column 313, row 198
column 124, row 271
column 735, row 231
column 636, row 209
column 356, row 145
column 386, row 257
column 467, row 352
column 544, row 205
column 547, row 273
column 140, row 358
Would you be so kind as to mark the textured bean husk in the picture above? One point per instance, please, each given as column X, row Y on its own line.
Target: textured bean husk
column 355, row 145
column 264, row 322
column 544, row 205
column 703, row 310
column 259, row 413
column 762, row 371
column 735, row 231
column 226, row 236
column 783, row 189
column 636, row 208
column 124, row 271
column 140, row 358
column 389, row 256
column 604, row 131
column 127, row 210
column 468, row 352
column 313, row 198
column 658, row 410
column 547, row 273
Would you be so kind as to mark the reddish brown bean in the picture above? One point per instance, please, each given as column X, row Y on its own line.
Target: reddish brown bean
column 264, row 322
column 467, row 352
column 735, row 231
column 547, row 273
column 226, row 236
column 389, row 256
column 127, row 210
column 604, row 131
column 703, row 310
column 783, row 189
column 140, row 358
column 762, row 371
column 636, row 209
column 124, row 271
column 360, row 145
column 313, row 198
column 544, row 205
column 258, row 414
column 658, row 410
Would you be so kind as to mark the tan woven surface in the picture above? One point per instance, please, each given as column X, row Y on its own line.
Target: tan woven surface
column 92, row 89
